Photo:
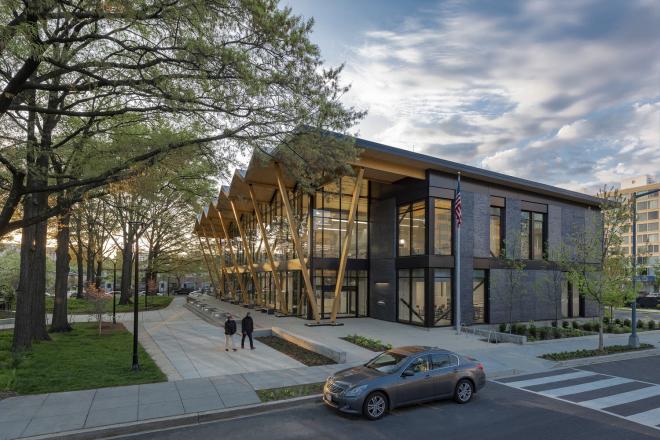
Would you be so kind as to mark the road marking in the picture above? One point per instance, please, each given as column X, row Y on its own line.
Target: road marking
column 651, row 417
column 618, row 399
column 550, row 379
column 646, row 416
column 586, row 387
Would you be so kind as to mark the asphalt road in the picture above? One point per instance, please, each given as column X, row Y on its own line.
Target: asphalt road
column 644, row 314
column 498, row 411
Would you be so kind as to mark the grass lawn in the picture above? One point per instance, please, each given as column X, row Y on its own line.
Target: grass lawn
column 82, row 306
column 302, row 355
column 77, row 360
column 291, row 392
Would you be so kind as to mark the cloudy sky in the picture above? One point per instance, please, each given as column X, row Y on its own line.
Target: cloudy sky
column 563, row 92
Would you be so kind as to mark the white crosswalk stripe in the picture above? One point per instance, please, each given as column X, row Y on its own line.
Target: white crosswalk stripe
column 550, row 379
column 583, row 384
column 586, row 386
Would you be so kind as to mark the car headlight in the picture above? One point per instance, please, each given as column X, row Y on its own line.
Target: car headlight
column 355, row 391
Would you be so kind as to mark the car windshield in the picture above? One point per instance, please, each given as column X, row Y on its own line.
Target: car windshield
column 387, row 362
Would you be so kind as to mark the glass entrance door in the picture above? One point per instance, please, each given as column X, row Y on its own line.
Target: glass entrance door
column 352, row 299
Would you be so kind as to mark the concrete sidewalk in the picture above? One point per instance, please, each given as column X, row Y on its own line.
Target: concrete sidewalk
column 32, row 415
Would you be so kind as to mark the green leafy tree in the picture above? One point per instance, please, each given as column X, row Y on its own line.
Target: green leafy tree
column 510, row 293
column 598, row 268
column 93, row 93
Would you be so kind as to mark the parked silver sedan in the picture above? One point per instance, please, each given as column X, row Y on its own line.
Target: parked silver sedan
column 404, row 376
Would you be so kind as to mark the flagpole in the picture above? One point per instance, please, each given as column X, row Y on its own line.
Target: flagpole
column 457, row 265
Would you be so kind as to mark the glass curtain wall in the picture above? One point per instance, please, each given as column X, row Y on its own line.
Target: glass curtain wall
column 331, row 208
column 479, row 296
column 412, row 229
column 442, row 293
column 353, row 298
column 442, row 228
column 411, row 294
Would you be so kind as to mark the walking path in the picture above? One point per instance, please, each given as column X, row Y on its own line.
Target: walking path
column 26, row 416
column 203, row 377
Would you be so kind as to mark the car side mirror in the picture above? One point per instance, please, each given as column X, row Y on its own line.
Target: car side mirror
column 408, row 373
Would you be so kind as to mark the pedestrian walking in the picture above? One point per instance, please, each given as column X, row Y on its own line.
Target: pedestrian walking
column 247, row 327
column 230, row 331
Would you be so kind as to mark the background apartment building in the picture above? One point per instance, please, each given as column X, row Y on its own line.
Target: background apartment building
column 648, row 225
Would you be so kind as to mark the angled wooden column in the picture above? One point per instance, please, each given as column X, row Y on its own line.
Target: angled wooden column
column 341, row 272
column 293, row 226
column 206, row 261
column 220, row 253
column 227, row 271
column 269, row 253
column 235, row 259
column 213, row 262
column 246, row 246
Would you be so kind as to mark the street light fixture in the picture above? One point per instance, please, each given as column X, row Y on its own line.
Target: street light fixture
column 136, row 364
column 633, row 340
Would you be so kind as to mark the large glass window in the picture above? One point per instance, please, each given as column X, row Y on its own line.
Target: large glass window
column 496, row 231
column 532, row 235
column 524, row 235
column 411, row 288
column 412, row 229
column 442, row 310
column 442, row 229
column 332, row 204
column 479, row 296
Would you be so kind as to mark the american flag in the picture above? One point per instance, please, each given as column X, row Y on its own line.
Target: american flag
column 458, row 205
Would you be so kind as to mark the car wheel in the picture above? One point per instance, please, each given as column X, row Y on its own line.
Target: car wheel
column 375, row 406
column 464, row 391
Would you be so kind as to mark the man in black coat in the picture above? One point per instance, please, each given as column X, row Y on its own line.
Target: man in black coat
column 247, row 327
column 230, row 331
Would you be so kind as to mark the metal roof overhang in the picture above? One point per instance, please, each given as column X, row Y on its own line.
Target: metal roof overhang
column 382, row 163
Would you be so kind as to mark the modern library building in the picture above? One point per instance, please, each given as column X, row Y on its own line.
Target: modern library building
column 381, row 243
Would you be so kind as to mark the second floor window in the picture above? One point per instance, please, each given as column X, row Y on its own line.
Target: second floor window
column 412, row 229
column 496, row 231
column 442, row 229
column 532, row 235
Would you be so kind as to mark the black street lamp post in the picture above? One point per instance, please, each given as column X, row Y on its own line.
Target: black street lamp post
column 633, row 340
column 136, row 364
column 114, row 292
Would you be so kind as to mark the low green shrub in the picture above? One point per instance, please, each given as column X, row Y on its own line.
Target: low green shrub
column 532, row 330
column 556, row 333
column 543, row 333
column 565, row 324
column 554, row 324
column 610, row 328
column 368, row 343
column 626, row 322
column 502, row 328
column 640, row 323
column 617, row 321
column 596, row 326
column 606, row 320
column 576, row 325
column 651, row 324
column 587, row 327
column 566, row 355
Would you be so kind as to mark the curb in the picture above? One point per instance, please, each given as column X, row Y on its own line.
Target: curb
column 110, row 431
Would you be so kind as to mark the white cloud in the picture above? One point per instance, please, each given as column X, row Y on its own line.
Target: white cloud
column 561, row 92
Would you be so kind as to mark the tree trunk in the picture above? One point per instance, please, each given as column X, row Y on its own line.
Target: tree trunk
column 99, row 273
column 79, row 260
column 30, row 322
column 60, row 321
column 90, row 256
column 126, row 271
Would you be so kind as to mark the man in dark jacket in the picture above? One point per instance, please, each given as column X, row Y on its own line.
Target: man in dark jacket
column 230, row 331
column 247, row 327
